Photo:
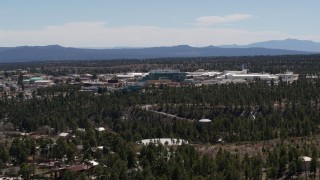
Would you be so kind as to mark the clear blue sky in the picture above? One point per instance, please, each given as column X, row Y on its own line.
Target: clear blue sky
column 109, row 23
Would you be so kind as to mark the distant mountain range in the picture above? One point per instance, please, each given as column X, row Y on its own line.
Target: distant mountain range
column 57, row 53
column 289, row 44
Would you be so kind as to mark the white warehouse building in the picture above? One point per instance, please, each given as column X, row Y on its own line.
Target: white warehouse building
column 251, row 77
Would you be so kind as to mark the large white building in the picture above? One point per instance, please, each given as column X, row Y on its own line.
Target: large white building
column 202, row 73
column 251, row 77
column 43, row 83
column 288, row 76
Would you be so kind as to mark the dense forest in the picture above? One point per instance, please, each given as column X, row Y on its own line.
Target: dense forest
column 240, row 113
column 252, row 112
column 302, row 64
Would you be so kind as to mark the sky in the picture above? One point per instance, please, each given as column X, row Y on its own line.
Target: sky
column 150, row 23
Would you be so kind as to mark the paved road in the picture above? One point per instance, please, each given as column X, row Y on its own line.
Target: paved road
column 147, row 108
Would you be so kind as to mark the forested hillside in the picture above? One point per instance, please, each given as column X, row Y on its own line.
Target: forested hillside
column 283, row 114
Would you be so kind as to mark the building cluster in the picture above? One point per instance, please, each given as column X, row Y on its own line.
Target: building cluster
column 214, row 77
column 55, row 168
column 175, row 78
column 50, row 168
column 22, row 81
